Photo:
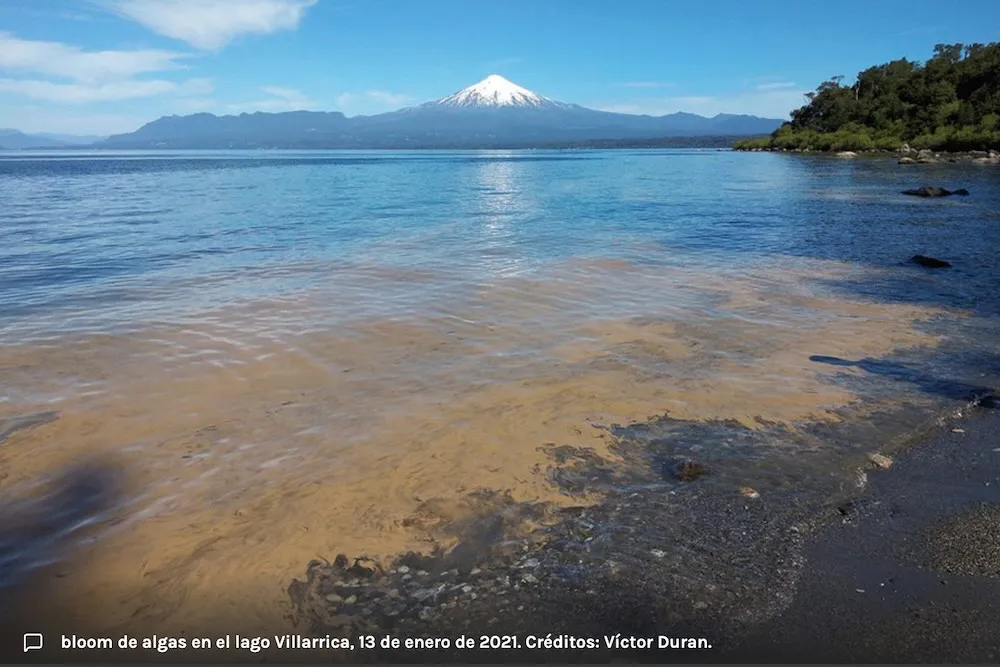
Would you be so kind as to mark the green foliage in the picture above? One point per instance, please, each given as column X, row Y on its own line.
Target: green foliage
column 951, row 102
column 754, row 143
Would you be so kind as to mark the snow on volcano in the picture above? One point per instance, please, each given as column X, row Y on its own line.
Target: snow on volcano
column 495, row 91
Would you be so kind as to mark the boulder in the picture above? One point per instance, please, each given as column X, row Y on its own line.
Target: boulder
column 906, row 160
column 931, row 191
column 847, row 154
column 930, row 262
column 905, row 149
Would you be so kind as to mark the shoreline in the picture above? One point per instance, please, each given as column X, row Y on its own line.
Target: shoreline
column 903, row 566
column 761, row 611
column 904, row 155
column 909, row 571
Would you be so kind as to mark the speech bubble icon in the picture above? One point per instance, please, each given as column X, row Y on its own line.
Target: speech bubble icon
column 32, row 641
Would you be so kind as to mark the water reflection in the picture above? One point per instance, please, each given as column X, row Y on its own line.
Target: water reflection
column 500, row 204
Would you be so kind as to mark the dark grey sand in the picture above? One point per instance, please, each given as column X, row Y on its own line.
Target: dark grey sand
column 912, row 572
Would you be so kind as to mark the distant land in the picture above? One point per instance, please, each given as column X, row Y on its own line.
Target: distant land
column 15, row 140
column 494, row 113
column 949, row 103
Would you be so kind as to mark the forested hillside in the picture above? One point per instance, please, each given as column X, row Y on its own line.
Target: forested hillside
column 949, row 103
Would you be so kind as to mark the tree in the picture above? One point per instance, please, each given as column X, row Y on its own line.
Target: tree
column 952, row 101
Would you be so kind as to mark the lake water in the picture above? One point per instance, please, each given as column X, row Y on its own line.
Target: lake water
column 288, row 355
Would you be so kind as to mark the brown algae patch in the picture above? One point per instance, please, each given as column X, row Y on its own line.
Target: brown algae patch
column 256, row 440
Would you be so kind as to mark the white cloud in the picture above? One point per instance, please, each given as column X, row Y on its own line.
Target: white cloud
column 372, row 101
column 108, row 91
column 212, row 24
column 777, row 103
column 71, row 62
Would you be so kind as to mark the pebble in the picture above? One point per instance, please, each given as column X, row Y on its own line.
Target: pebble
column 407, row 577
column 880, row 461
column 351, row 600
column 700, row 605
column 475, row 571
column 658, row 553
column 333, row 597
column 402, row 569
column 531, row 562
column 393, row 594
column 749, row 492
column 466, row 589
column 425, row 593
column 958, row 430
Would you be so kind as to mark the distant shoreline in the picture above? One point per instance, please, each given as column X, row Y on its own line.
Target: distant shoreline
column 709, row 142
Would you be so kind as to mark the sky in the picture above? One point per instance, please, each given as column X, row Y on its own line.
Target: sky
column 98, row 67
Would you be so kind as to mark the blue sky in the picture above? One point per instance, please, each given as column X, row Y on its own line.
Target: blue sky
column 105, row 66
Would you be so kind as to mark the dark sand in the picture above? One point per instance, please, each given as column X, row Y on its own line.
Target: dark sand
column 912, row 572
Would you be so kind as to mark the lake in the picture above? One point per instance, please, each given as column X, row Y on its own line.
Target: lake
column 290, row 355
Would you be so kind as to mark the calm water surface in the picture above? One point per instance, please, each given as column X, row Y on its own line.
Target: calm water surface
column 291, row 353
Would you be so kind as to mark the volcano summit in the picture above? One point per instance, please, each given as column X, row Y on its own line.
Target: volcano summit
column 495, row 91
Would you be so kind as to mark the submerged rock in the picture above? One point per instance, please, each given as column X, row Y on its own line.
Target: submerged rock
column 930, row 262
column 906, row 160
column 685, row 470
column 931, row 191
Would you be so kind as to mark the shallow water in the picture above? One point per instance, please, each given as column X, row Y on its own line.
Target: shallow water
column 291, row 355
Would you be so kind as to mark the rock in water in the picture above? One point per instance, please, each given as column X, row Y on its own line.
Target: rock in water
column 930, row 262
column 880, row 461
column 906, row 160
column 930, row 191
column 685, row 470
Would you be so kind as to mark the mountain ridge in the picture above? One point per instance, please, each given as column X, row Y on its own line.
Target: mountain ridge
column 492, row 112
column 11, row 139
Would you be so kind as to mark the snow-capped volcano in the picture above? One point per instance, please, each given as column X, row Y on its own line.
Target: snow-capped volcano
column 494, row 113
column 495, row 91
